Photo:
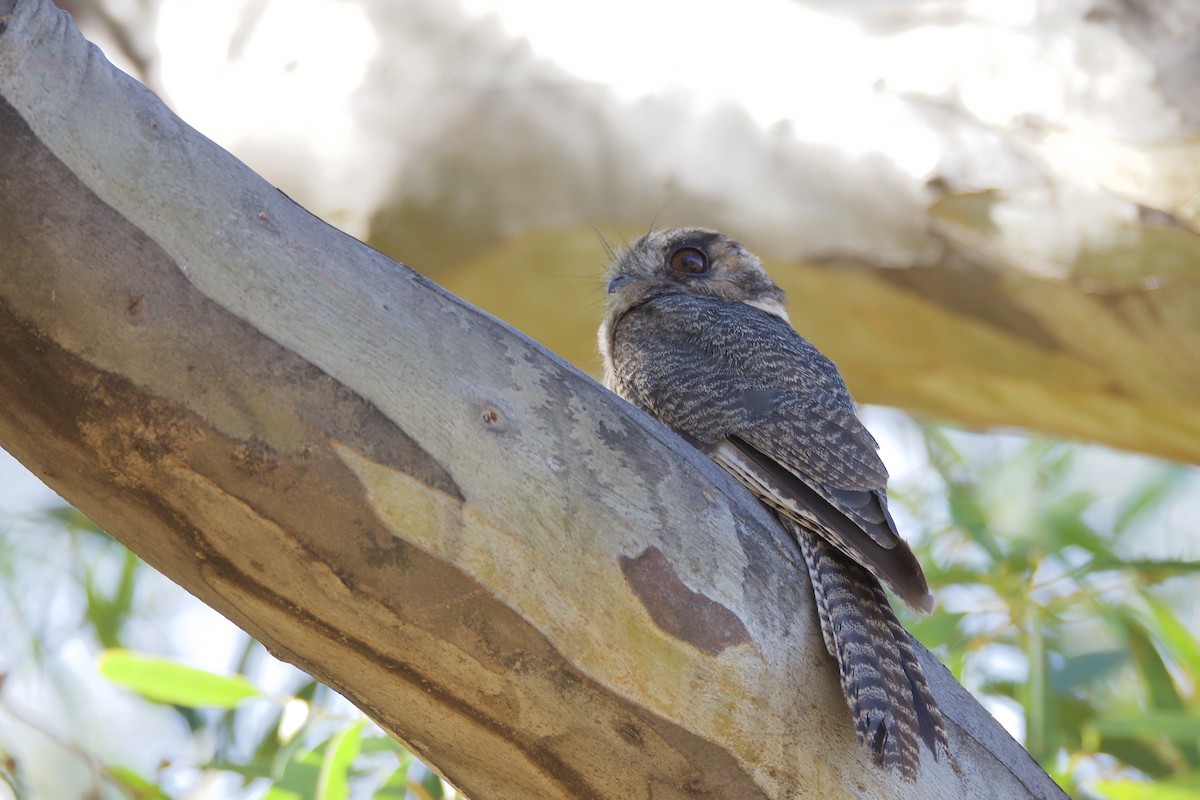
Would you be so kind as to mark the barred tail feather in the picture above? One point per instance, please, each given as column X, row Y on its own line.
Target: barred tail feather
column 929, row 717
column 890, row 701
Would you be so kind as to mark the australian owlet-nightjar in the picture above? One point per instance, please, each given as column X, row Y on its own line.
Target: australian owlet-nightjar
column 695, row 333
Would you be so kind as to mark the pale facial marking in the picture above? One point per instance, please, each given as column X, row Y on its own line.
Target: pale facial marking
column 773, row 307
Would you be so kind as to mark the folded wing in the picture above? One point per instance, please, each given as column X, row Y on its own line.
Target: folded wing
column 855, row 521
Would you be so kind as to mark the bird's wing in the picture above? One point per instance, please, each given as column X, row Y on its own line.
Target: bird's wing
column 766, row 405
column 889, row 560
column 817, row 432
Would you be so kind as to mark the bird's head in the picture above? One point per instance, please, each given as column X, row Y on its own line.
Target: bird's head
column 691, row 261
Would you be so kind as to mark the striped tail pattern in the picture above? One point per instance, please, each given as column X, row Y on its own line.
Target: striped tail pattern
column 885, row 689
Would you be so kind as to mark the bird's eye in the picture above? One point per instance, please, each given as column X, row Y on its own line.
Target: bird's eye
column 689, row 260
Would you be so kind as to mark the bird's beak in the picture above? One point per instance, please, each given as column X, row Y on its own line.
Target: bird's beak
column 616, row 282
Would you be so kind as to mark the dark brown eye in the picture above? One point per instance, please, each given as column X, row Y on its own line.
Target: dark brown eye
column 689, row 260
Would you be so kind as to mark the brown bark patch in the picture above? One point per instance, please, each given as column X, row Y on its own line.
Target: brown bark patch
column 676, row 609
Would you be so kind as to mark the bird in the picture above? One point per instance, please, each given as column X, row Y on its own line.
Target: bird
column 696, row 333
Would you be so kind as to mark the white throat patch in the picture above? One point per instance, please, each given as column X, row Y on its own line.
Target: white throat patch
column 773, row 307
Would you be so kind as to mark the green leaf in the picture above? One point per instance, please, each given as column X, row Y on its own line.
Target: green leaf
column 386, row 744
column 73, row 520
column 1083, row 668
column 138, row 786
column 1141, row 754
column 432, row 784
column 108, row 614
column 168, row 682
column 967, row 514
column 937, row 628
column 1163, row 693
column 277, row 792
column 394, row 788
column 1072, row 711
column 334, row 780
column 1175, row 637
column 1034, row 697
column 249, row 770
column 296, row 777
column 1183, row 788
column 1064, row 521
column 1177, row 727
column 396, row 785
column 292, row 754
column 268, row 744
column 1154, row 571
column 1150, row 496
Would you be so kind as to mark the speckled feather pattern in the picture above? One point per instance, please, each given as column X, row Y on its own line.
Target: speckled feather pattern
column 712, row 354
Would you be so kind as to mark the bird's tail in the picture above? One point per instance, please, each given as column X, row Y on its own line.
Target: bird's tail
column 892, row 705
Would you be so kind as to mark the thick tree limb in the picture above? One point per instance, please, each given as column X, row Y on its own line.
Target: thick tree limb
column 528, row 582
column 969, row 339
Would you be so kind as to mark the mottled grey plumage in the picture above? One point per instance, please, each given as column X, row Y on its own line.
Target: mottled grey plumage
column 695, row 333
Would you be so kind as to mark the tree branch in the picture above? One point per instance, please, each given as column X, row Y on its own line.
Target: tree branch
column 526, row 581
